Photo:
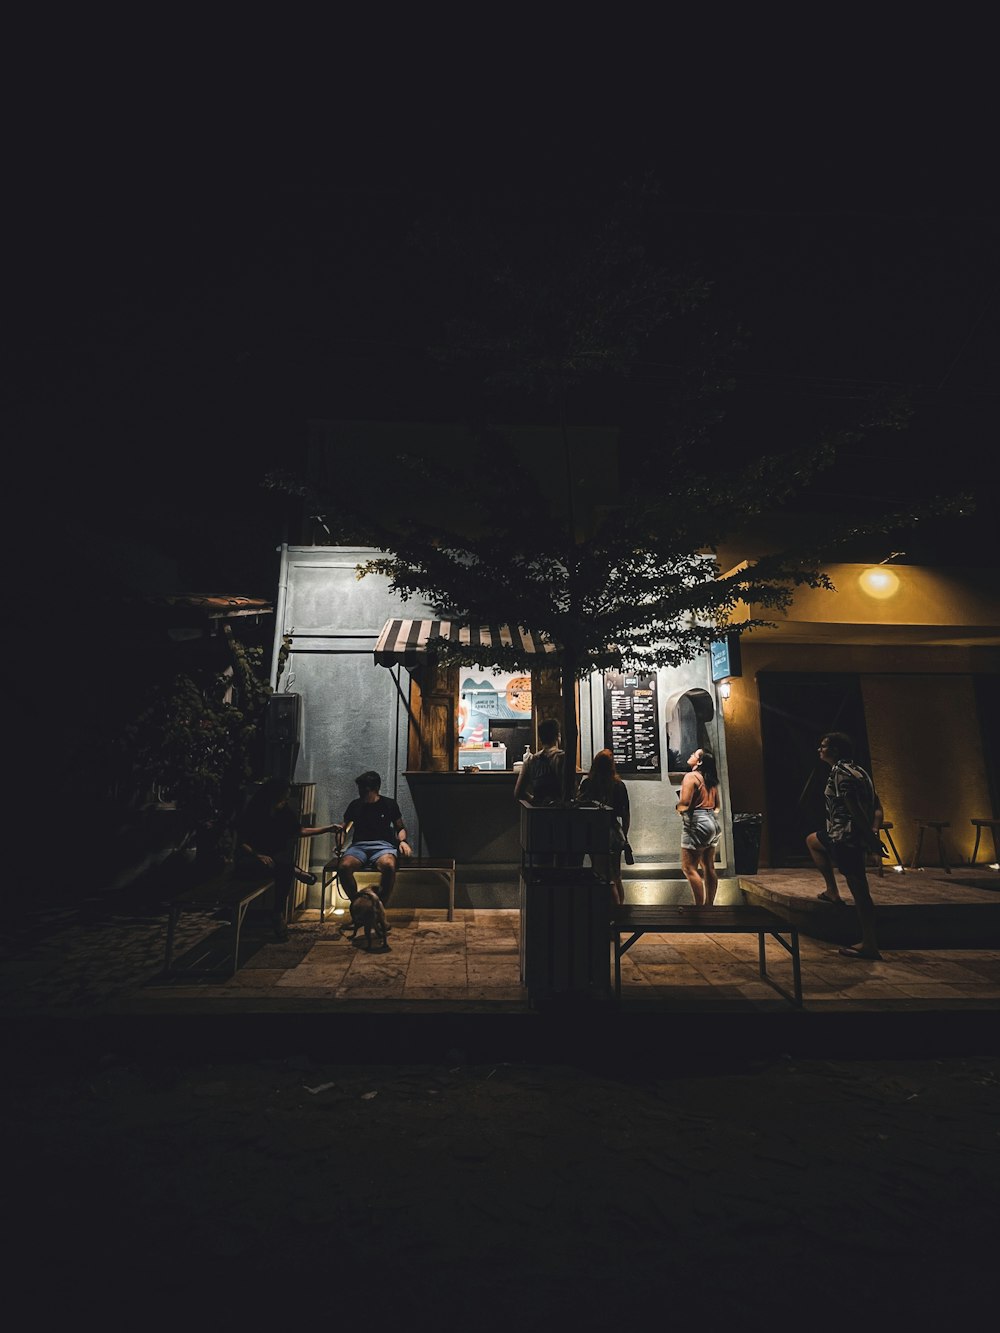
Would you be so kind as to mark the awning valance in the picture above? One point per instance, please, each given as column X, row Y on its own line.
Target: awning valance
column 404, row 642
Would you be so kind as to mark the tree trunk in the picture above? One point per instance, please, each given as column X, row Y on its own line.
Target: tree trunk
column 570, row 730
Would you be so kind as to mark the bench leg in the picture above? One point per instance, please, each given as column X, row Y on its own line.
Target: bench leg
column 238, row 916
column 915, row 860
column 451, row 896
column 796, row 969
column 895, row 852
column 975, row 845
column 793, row 949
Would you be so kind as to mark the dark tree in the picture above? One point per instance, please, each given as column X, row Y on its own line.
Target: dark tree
column 548, row 321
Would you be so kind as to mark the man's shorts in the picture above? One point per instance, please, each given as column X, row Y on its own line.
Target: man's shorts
column 848, row 858
column 368, row 852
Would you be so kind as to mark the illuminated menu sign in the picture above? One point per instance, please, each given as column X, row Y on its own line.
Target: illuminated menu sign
column 632, row 723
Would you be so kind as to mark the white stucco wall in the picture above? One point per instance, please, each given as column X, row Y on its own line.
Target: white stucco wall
column 353, row 717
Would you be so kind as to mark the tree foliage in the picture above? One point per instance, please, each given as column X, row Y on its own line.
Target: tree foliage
column 196, row 739
column 630, row 581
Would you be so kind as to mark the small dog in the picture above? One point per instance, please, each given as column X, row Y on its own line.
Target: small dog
column 367, row 913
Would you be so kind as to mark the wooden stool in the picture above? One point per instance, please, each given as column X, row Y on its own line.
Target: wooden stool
column 937, row 825
column 884, row 827
column 992, row 825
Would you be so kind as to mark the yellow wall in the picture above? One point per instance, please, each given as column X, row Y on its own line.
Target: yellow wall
column 927, row 758
column 917, row 596
column 923, row 729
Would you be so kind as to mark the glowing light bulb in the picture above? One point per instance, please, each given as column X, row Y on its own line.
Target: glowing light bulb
column 879, row 582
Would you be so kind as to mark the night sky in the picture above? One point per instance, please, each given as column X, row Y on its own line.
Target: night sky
column 210, row 249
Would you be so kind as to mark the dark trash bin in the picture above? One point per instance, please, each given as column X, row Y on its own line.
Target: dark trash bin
column 565, row 934
column 746, row 843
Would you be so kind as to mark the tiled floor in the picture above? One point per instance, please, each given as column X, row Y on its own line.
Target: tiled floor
column 474, row 959
column 113, row 961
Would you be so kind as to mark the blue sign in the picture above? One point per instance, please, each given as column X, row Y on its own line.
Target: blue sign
column 726, row 658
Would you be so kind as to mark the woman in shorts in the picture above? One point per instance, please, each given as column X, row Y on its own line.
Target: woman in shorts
column 698, row 806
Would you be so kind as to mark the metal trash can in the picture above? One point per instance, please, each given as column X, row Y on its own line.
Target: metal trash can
column 746, row 843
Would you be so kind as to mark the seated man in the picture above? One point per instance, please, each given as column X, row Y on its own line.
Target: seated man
column 377, row 836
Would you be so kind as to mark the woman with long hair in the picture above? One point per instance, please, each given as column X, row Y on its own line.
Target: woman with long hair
column 602, row 784
column 698, row 806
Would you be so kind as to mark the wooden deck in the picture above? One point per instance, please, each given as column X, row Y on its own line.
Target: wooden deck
column 919, row 909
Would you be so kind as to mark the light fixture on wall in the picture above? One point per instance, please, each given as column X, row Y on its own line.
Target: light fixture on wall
column 724, row 688
column 879, row 582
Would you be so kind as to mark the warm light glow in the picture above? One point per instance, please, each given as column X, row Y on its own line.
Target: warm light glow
column 879, row 582
column 724, row 688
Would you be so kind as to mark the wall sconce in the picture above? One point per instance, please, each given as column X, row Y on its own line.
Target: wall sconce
column 724, row 688
column 879, row 582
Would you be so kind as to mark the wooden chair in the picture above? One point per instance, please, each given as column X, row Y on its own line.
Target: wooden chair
column 979, row 825
column 922, row 826
column 331, row 871
column 884, row 827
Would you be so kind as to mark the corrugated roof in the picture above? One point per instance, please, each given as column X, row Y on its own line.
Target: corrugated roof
column 214, row 605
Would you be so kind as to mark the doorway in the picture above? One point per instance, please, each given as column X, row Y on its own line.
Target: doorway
column 796, row 708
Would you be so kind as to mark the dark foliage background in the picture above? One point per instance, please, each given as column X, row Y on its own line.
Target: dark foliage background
column 217, row 236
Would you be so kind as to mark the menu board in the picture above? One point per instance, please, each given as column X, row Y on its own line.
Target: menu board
column 632, row 723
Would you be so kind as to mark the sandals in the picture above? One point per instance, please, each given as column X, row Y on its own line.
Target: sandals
column 855, row 952
column 834, row 902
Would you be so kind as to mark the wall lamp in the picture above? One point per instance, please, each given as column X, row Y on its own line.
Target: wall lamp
column 724, row 689
column 879, row 582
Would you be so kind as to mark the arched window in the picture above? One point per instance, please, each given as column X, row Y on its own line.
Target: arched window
column 689, row 713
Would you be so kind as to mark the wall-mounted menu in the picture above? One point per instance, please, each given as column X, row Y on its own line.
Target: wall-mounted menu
column 632, row 723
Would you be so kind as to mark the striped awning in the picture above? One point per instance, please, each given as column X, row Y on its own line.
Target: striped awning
column 404, row 642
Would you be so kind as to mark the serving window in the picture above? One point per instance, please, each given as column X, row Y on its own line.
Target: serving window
column 465, row 718
column 494, row 717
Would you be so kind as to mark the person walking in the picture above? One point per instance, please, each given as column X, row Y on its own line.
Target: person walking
column 853, row 819
column 698, row 806
column 603, row 785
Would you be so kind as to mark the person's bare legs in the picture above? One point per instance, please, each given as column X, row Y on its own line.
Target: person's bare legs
column 617, row 887
column 604, row 866
column 861, row 893
column 386, row 866
column 345, row 873
column 710, row 875
column 824, row 865
column 690, row 864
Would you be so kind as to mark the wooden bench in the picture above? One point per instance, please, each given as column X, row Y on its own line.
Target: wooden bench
column 225, row 891
column 691, row 920
column 404, row 866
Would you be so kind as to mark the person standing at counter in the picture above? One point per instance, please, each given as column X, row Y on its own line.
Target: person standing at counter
column 541, row 779
column 377, row 838
column 603, row 784
column 698, row 807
